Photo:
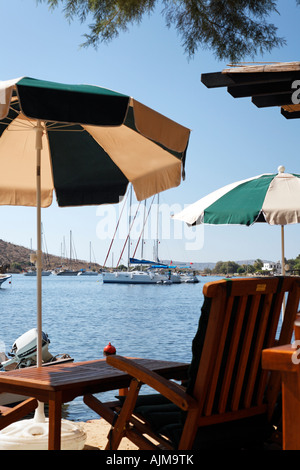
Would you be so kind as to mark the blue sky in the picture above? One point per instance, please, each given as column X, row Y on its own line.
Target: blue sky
column 230, row 140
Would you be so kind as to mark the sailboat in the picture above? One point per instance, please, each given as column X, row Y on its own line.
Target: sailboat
column 45, row 272
column 84, row 272
column 66, row 271
column 136, row 276
column 150, row 276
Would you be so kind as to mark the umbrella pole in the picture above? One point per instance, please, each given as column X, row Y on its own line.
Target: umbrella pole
column 282, row 251
column 39, row 134
column 282, row 265
column 39, row 415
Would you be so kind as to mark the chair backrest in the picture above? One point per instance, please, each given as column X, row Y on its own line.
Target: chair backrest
column 240, row 318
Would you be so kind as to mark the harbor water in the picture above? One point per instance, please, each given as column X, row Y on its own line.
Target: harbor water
column 81, row 315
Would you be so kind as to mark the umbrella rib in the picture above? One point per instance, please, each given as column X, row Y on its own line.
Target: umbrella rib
column 63, row 130
column 61, row 127
column 21, row 124
column 14, row 110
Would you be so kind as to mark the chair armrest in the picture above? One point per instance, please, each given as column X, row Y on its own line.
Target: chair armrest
column 280, row 358
column 10, row 415
column 167, row 388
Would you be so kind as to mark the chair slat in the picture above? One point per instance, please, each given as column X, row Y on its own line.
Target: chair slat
column 245, row 351
column 235, row 337
column 256, row 358
column 223, row 329
column 264, row 379
column 208, row 356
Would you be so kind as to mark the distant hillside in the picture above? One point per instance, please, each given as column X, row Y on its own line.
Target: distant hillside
column 195, row 266
column 208, row 265
column 16, row 258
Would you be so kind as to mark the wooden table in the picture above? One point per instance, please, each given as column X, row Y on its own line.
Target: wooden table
column 58, row 384
column 285, row 360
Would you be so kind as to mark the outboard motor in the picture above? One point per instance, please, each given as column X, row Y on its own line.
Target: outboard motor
column 24, row 351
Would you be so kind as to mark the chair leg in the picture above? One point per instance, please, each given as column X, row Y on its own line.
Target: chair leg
column 118, row 430
column 102, row 409
column 189, row 430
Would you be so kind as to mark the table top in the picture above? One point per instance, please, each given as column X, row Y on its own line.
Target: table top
column 81, row 377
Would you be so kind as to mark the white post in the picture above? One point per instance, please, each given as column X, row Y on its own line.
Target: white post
column 282, row 266
column 282, row 251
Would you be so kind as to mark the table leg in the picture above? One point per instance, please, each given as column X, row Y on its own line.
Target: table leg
column 290, row 411
column 54, row 437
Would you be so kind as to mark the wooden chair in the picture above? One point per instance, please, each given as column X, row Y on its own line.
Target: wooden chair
column 10, row 415
column 229, row 401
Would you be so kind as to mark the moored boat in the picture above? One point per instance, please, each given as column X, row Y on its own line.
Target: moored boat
column 4, row 277
column 87, row 273
column 133, row 277
column 23, row 354
column 189, row 278
column 65, row 272
column 33, row 273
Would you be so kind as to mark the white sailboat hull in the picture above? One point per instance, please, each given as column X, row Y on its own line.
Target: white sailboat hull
column 134, row 277
column 66, row 272
column 87, row 273
column 10, row 398
column 33, row 273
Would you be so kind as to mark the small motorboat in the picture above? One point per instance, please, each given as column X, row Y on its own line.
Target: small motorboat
column 4, row 277
column 24, row 354
column 189, row 278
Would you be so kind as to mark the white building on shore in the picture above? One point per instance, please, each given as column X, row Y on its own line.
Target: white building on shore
column 272, row 266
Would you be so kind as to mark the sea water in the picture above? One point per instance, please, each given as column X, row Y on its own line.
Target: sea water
column 81, row 315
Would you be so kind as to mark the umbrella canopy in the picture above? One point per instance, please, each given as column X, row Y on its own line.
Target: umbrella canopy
column 94, row 141
column 271, row 198
column 86, row 143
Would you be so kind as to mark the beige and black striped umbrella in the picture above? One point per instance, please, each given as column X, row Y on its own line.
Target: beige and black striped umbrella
column 94, row 141
column 85, row 143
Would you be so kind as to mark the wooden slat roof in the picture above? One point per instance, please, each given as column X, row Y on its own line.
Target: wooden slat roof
column 270, row 84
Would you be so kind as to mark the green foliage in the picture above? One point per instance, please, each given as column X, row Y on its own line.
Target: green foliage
column 294, row 264
column 122, row 267
column 232, row 29
column 258, row 264
column 227, row 267
column 16, row 266
column 230, row 267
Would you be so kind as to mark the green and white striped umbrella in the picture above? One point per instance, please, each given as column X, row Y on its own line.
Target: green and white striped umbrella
column 84, row 142
column 271, row 198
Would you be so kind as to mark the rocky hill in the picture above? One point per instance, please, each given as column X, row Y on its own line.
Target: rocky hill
column 16, row 258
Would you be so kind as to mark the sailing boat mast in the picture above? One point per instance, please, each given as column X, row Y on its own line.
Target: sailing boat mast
column 70, row 246
column 144, row 221
column 129, row 227
column 157, row 231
